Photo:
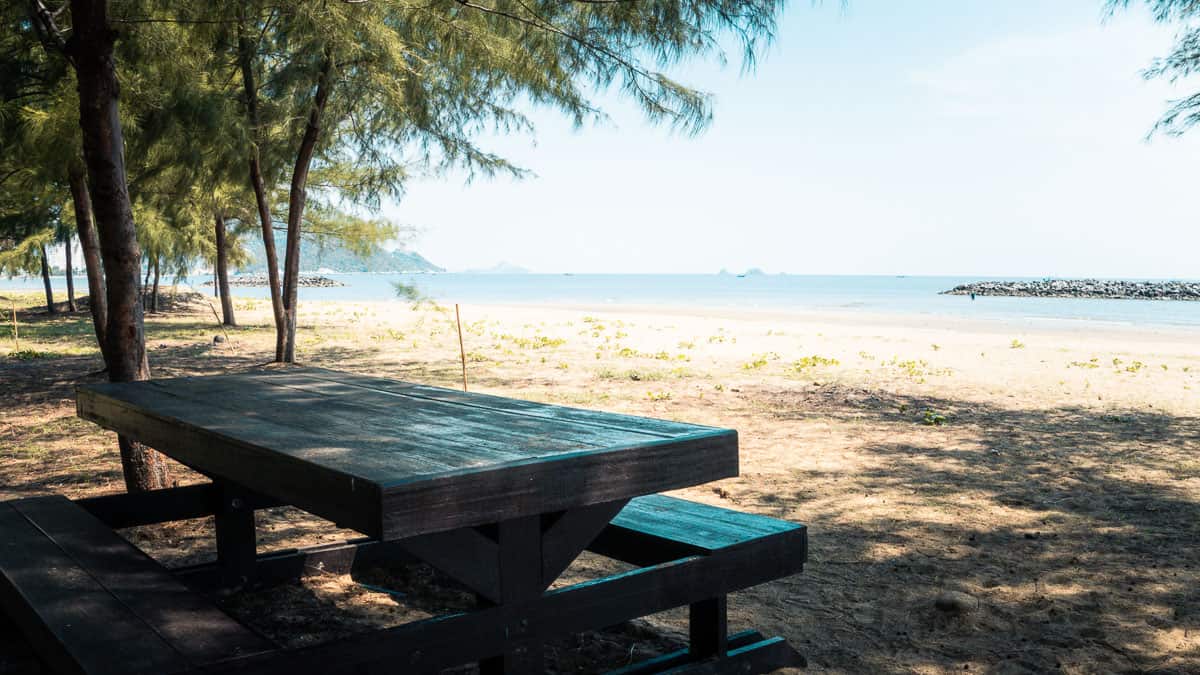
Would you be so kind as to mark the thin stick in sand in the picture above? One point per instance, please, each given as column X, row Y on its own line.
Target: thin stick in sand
column 461, row 350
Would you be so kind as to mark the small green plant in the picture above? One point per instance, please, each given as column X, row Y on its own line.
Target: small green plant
column 1134, row 367
column 814, row 361
column 719, row 387
column 1016, row 344
column 933, row 418
column 658, row 395
column 936, row 347
column 687, row 344
column 758, row 362
column 1093, row 363
column 28, row 354
column 563, row 365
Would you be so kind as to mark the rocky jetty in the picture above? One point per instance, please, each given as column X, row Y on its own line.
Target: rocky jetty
column 1084, row 288
column 305, row 281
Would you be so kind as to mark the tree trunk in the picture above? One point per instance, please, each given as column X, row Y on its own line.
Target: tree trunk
column 70, row 277
column 46, row 281
column 245, row 61
column 154, row 297
column 91, row 52
column 88, row 241
column 296, row 200
column 146, row 284
column 223, row 274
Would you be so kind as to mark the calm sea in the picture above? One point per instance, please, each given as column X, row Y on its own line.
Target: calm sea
column 914, row 295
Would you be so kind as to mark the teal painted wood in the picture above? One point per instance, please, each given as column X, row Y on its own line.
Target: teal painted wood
column 395, row 460
column 88, row 601
column 699, row 526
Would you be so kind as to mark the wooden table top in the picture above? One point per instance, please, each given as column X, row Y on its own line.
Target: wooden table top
column 394, row 459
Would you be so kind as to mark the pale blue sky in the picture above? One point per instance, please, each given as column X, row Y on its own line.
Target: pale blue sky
column 880, row 137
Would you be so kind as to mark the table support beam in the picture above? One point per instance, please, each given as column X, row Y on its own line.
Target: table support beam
column 237, row 547
column 441, row 642
column 520, row 545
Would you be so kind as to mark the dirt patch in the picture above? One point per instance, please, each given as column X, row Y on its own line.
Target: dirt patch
column 973, row 505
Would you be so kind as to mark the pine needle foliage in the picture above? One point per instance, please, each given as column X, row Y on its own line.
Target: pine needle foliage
column 1182, row 62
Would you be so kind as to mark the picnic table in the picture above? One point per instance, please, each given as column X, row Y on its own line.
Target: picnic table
column 500, row 495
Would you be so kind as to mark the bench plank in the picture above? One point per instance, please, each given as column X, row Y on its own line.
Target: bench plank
column 700, row 526
column 85, row 596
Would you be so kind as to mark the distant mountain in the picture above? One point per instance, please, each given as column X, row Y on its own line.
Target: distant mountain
column 500, row 268
column 333, row 257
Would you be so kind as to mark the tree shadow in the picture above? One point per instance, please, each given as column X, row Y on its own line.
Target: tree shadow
column 1069, row 531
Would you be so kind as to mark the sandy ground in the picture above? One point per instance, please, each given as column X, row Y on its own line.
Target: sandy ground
column 981, row 497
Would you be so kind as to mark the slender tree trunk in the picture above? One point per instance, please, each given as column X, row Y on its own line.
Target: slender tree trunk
column 146, row 284
column 90, row 243
column 154, row 296
column 245, row 60
column 216, row 282
column 46, row 281
column 296, row 201
column 223, row 273
column 91, row 53
column 70, row 277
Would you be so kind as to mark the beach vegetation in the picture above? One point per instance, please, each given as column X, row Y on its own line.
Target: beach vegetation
column 933, row 418
column 760, row 360
column 1091, row 363
column 1016, row 344
column 29, row 354
column 810, row 362
column 658, row 395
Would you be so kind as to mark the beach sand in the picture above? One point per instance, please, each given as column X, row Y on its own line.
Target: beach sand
column 981, row 496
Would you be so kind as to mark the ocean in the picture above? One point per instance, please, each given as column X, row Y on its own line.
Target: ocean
column 909, row 295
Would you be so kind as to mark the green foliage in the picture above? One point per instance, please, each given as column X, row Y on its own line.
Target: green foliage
column 933, row 418
column 814, row 361
column 1182, row 62
column 29, row 354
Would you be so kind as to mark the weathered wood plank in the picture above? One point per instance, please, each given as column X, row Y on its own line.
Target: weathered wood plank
column 263, row 455
column 514, row 489
column 129, row 509
column 570, row 533
column 464, row 555
column 650, row 425
column 194, row 628
column 392, row 465
column 699, row 526
column 58, row 606
column 441, row 642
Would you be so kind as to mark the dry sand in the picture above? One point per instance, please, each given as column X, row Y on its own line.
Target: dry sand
column 981, row 496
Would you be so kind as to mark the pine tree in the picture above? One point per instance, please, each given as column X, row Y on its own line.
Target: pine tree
column 1183, row 61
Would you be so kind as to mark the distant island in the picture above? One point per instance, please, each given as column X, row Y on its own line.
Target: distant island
column 336, row 258
column 1083, row 288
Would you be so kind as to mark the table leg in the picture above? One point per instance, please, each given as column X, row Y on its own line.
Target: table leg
column 708, row 628
column 237, row 547
column 520, row 542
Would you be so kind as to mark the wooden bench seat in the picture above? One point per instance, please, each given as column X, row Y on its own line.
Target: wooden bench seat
column 87, row 601
column 657, row 528
column 752, row 549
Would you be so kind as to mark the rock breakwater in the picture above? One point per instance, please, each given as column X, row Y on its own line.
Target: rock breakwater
column 305, row 281
column 1084, row 288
